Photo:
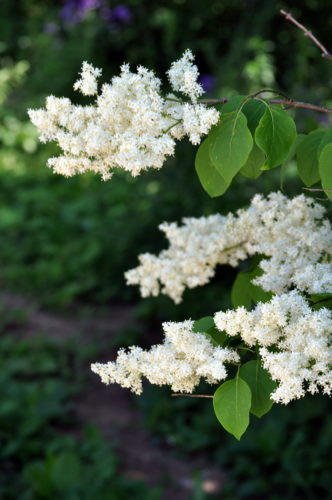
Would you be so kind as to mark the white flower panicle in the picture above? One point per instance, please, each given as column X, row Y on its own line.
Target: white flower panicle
column 293, row 340
column 292, row 234
column 295, row 343
column 130, row 125
column 181, row 361
column 183, row 75
column 87, row 84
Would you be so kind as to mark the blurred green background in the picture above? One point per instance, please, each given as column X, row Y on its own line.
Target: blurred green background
column 65, row 244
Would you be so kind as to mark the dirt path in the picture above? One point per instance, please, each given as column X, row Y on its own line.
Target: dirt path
column 112, row 409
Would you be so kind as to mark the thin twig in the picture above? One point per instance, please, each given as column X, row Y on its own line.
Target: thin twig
column 193, row 396
column 285, row 102
column 308, row 33
column 271, row 91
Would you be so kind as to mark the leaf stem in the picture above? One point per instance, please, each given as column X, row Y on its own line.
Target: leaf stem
column 172, row 126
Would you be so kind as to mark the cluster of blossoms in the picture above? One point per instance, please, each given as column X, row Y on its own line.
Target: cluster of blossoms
column 292, row 234
column 180, row 361
column 130, row 125
column 294, row 341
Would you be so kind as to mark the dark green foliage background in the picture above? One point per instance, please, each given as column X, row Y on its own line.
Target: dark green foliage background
column 39, row 458
column 69, row 241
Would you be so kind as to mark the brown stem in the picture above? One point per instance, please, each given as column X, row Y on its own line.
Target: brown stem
column 308, row 33
column 193, row 396
column 271, row 91
column 285, row 102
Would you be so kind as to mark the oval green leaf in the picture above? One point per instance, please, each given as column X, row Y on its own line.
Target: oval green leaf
column 211, row 180
column 253, row 166
column 325, row 169
column 275, row 135
column 261, row 386
column 231, row 403
column 326, row 139
column 253, row 110
column 230, row 144
column 307, row 157
column 244, row 291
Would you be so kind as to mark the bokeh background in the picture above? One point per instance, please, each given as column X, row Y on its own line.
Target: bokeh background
column 65, row 244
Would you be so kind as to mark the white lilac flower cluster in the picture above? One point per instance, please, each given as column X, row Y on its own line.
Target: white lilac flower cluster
column 181, row 361
column 291, row 234
column 294, row 341
column 130, row 125
column 295, row 345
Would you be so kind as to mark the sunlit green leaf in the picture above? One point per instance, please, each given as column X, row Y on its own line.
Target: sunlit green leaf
column 275, row 135
column 230, row 144
column 231, row 403
column 211, row 180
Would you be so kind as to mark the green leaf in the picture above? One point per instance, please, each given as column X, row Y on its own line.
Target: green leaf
column 231, row 403
column 207, row 326
column 66, row 470
column 257, row 293
column 321, row 300
column 233, row 104
column 211, row 180
column 261, row 386
column 203, row 324
column 326, row 139
column 217, row 337
column 307, row 157
column 252, row 167
column 294, row 148
column 275, row 135
column 230, row 144
column 38, row 479
column 325, row 169
column 253, row 110
column 244, row 291
column 240, row 294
